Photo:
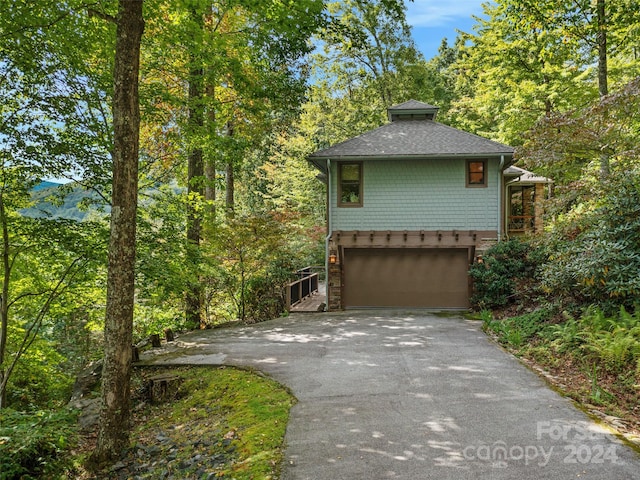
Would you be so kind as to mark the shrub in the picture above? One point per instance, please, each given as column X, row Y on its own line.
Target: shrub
column 495, row 279
column 39, row 379
column 33, row 445
column 594, row 251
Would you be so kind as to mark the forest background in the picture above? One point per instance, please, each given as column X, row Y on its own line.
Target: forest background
column 233, row 96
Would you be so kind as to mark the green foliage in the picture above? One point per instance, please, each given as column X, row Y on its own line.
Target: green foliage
column 594, row 252
column 150, row 318
column 495, row 279
column 39, row 379
column 35, row 445
column 253, row 262
column 516, row 331
column 515, row 69
column 612, row 342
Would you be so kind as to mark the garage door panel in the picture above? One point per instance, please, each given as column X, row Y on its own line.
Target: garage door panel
column 430, row 278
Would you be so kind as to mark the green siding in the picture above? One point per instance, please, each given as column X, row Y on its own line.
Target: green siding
column 419, row 195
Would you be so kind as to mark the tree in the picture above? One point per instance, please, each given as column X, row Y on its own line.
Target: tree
column 235, row 72
column 40, row 260
column 254, row 263
column 49, row 125
column 569, row 146
column 517, row 68
column 115, row 414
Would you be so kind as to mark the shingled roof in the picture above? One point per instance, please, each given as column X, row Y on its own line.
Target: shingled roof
column 412, row 134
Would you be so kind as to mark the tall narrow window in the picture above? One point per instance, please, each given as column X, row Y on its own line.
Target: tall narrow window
column 350, row 184
column 476, row 173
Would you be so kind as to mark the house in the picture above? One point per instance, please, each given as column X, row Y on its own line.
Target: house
column 409, row 207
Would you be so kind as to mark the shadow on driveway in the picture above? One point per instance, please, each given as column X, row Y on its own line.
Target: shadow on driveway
column 411, row 395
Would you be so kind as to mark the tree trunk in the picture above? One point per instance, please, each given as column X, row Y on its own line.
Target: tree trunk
column 210, row 164
column 195, row 179
column 603, row 73
column 4, row 304
column 229, row 198
column 229, row 180
column 603, row 81
column 113, row 435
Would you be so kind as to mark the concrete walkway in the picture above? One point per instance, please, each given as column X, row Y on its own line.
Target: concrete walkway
column 405, row 395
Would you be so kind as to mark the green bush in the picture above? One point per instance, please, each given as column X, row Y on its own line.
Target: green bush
column 34, row 445
column 495, row 279
column 594, row 250
column 39, row 379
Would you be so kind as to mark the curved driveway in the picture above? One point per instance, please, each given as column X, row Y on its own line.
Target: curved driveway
column 411, row 395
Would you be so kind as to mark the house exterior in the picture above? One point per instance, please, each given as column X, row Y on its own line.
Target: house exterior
column 525, row 192
column 409, row 207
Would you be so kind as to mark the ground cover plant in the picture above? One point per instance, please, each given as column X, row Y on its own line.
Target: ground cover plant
column 216, row 423
column 593, row 358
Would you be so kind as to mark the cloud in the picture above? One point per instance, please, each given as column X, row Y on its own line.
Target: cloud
column 436, row 13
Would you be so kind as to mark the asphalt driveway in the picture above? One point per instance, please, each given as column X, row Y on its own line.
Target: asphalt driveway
column 411, row 395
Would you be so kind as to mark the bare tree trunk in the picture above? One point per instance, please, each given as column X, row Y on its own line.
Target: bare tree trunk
column 113, row 435
column 229, row 197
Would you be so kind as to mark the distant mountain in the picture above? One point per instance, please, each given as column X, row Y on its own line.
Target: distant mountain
column 45, row 184
column 47, row 202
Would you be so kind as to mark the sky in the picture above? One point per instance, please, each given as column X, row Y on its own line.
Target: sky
column 432, row 20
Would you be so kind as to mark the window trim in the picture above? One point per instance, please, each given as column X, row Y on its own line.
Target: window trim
column 339, row 186
column 485, row 177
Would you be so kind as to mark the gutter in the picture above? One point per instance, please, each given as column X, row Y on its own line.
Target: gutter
column 500, row 188
column 329, row 227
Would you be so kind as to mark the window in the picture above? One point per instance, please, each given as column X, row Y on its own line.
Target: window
column 476, row 173
column 350, row 184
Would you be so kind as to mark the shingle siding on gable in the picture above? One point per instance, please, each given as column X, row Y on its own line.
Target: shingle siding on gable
column 419, row 195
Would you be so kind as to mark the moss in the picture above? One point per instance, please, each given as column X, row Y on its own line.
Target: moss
column 235, row 417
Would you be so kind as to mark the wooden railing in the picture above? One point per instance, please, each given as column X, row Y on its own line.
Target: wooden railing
column 303, row 287
column 522, row 223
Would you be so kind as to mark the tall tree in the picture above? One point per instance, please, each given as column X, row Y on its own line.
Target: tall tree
column 115, row 414
column 516, row 68
column 51, row 126
column 195, row 171
column 239, row 72
column 366, row 61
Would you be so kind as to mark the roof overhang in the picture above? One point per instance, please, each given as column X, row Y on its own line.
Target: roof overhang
column 320, row 162
column 521, row 176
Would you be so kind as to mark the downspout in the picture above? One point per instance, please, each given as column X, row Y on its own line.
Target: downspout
column 500, row 209
column 329, row 230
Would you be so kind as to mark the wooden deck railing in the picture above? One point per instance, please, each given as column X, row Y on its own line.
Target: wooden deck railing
column 522, row 223
column 303, row 287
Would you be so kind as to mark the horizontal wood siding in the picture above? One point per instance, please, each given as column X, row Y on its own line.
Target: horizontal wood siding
column 419, row 194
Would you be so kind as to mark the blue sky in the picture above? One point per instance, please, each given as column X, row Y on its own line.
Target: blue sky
column 432, row 20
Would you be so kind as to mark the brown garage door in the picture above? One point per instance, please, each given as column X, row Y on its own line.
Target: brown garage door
column 431, row 278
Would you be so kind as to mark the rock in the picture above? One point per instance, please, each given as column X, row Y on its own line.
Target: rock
column 89, row 412
column 87, row 380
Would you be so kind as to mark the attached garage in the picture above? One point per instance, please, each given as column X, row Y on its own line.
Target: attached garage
column 406, row 277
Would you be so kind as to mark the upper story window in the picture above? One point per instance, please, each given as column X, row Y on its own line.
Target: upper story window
column 476, row 173
column 350, row 184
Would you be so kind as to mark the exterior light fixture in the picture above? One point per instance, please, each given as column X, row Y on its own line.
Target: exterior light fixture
column 333, row 258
